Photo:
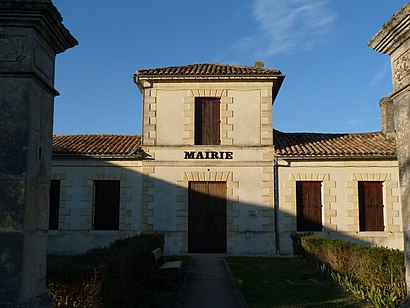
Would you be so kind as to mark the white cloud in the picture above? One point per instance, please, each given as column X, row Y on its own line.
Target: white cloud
column 287, row 26
column 355, row 122
column 381, row 74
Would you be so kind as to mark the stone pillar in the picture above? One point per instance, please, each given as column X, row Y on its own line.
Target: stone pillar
column 394, row 40
column 31, row 34
column 387, row 117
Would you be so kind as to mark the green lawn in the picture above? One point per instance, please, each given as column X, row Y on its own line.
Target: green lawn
column 287, row 282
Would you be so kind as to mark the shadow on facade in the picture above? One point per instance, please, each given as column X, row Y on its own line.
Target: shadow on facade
column 303, row 139
column 405, row 197
column 203, row 215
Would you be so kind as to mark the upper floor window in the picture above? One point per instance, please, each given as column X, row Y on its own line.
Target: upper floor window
column 106, row 205
column 371, row 206
column 308, row 206
column 207, row 121
column 54, row 209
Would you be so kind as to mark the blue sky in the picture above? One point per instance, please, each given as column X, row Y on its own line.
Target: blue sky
column 333, row 80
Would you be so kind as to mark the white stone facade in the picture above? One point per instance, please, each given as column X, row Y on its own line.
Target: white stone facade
column 340, row 211
column 260, row 196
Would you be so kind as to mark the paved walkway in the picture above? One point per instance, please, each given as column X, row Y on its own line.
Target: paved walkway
column 209, row 284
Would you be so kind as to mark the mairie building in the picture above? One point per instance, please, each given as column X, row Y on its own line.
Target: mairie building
column 211, row 173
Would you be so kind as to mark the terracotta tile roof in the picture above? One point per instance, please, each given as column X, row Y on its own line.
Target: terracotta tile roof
column 96, row 144
column 334, row 145
column 286, row 144
column 207, row 69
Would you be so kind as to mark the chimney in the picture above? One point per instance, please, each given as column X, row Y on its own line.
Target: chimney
column 259, row 64
column 387, row 117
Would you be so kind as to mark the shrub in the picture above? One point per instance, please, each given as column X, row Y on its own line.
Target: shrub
column 377, row 273
column 104, row 277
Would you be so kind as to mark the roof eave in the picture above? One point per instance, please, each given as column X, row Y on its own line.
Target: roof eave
column 96, row 156
column 337, row 157
column 145, row 81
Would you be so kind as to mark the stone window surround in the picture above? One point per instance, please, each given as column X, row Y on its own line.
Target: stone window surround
column 87, row 198
column 226, row 127
column 148, row 203
column 389, row 199
column 65, row 197
column 150, row 115
column 328, row 199
column 231, row 199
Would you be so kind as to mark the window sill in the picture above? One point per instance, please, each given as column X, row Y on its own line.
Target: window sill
column 373, row 233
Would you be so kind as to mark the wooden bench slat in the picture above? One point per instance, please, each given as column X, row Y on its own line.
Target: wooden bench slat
column 158, row 255
column 171, row 264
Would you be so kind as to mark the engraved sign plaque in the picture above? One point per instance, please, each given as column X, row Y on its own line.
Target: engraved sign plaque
column 401, row 71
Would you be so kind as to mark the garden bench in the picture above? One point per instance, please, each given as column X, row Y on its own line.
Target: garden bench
column 169, row 265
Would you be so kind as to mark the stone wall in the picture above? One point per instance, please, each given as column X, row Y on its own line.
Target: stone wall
column 340, row 200
column 75, row 232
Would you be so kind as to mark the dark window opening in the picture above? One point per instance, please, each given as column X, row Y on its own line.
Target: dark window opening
column 371, row 206
column 207, row 121
column 54, row 209
column 106, row 205
column 308, row 206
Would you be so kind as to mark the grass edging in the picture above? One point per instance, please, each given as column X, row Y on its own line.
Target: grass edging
column 287, row 282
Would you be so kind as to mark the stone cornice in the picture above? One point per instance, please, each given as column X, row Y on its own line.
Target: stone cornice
column 41, row 15
column 393, row 33
column 147, row 81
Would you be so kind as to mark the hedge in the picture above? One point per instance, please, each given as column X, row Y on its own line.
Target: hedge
column 105, row 277
column 375, row 273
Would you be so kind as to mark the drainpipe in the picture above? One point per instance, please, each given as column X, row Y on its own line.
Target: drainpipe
column 276, row 201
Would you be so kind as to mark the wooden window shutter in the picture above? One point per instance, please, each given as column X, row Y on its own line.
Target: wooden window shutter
column 207, row 121
column 54, row 209
column 308, row 206
column 106, row 205
column 371, row 216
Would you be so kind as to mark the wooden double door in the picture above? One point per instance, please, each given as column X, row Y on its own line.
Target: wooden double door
column 207, row 217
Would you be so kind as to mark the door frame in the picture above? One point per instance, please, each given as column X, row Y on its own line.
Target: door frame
column 214, row 202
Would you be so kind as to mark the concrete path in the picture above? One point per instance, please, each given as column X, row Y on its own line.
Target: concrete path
column 209, row 284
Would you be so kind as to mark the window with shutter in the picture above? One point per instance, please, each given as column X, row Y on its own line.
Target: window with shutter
column 207, row 121
column 54, row 209
column 106, row 205
column 371, row 216
column 308, row 206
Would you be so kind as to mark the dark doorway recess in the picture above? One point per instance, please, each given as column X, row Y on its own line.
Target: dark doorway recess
column 54, row 205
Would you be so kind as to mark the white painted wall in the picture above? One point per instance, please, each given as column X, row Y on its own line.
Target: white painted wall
column 247, row 117
column 170, row 113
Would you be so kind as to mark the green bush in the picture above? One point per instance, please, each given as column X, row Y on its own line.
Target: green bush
column 376, row 272
column 104, row 277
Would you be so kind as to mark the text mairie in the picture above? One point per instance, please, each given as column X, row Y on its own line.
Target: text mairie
column 207, row 155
